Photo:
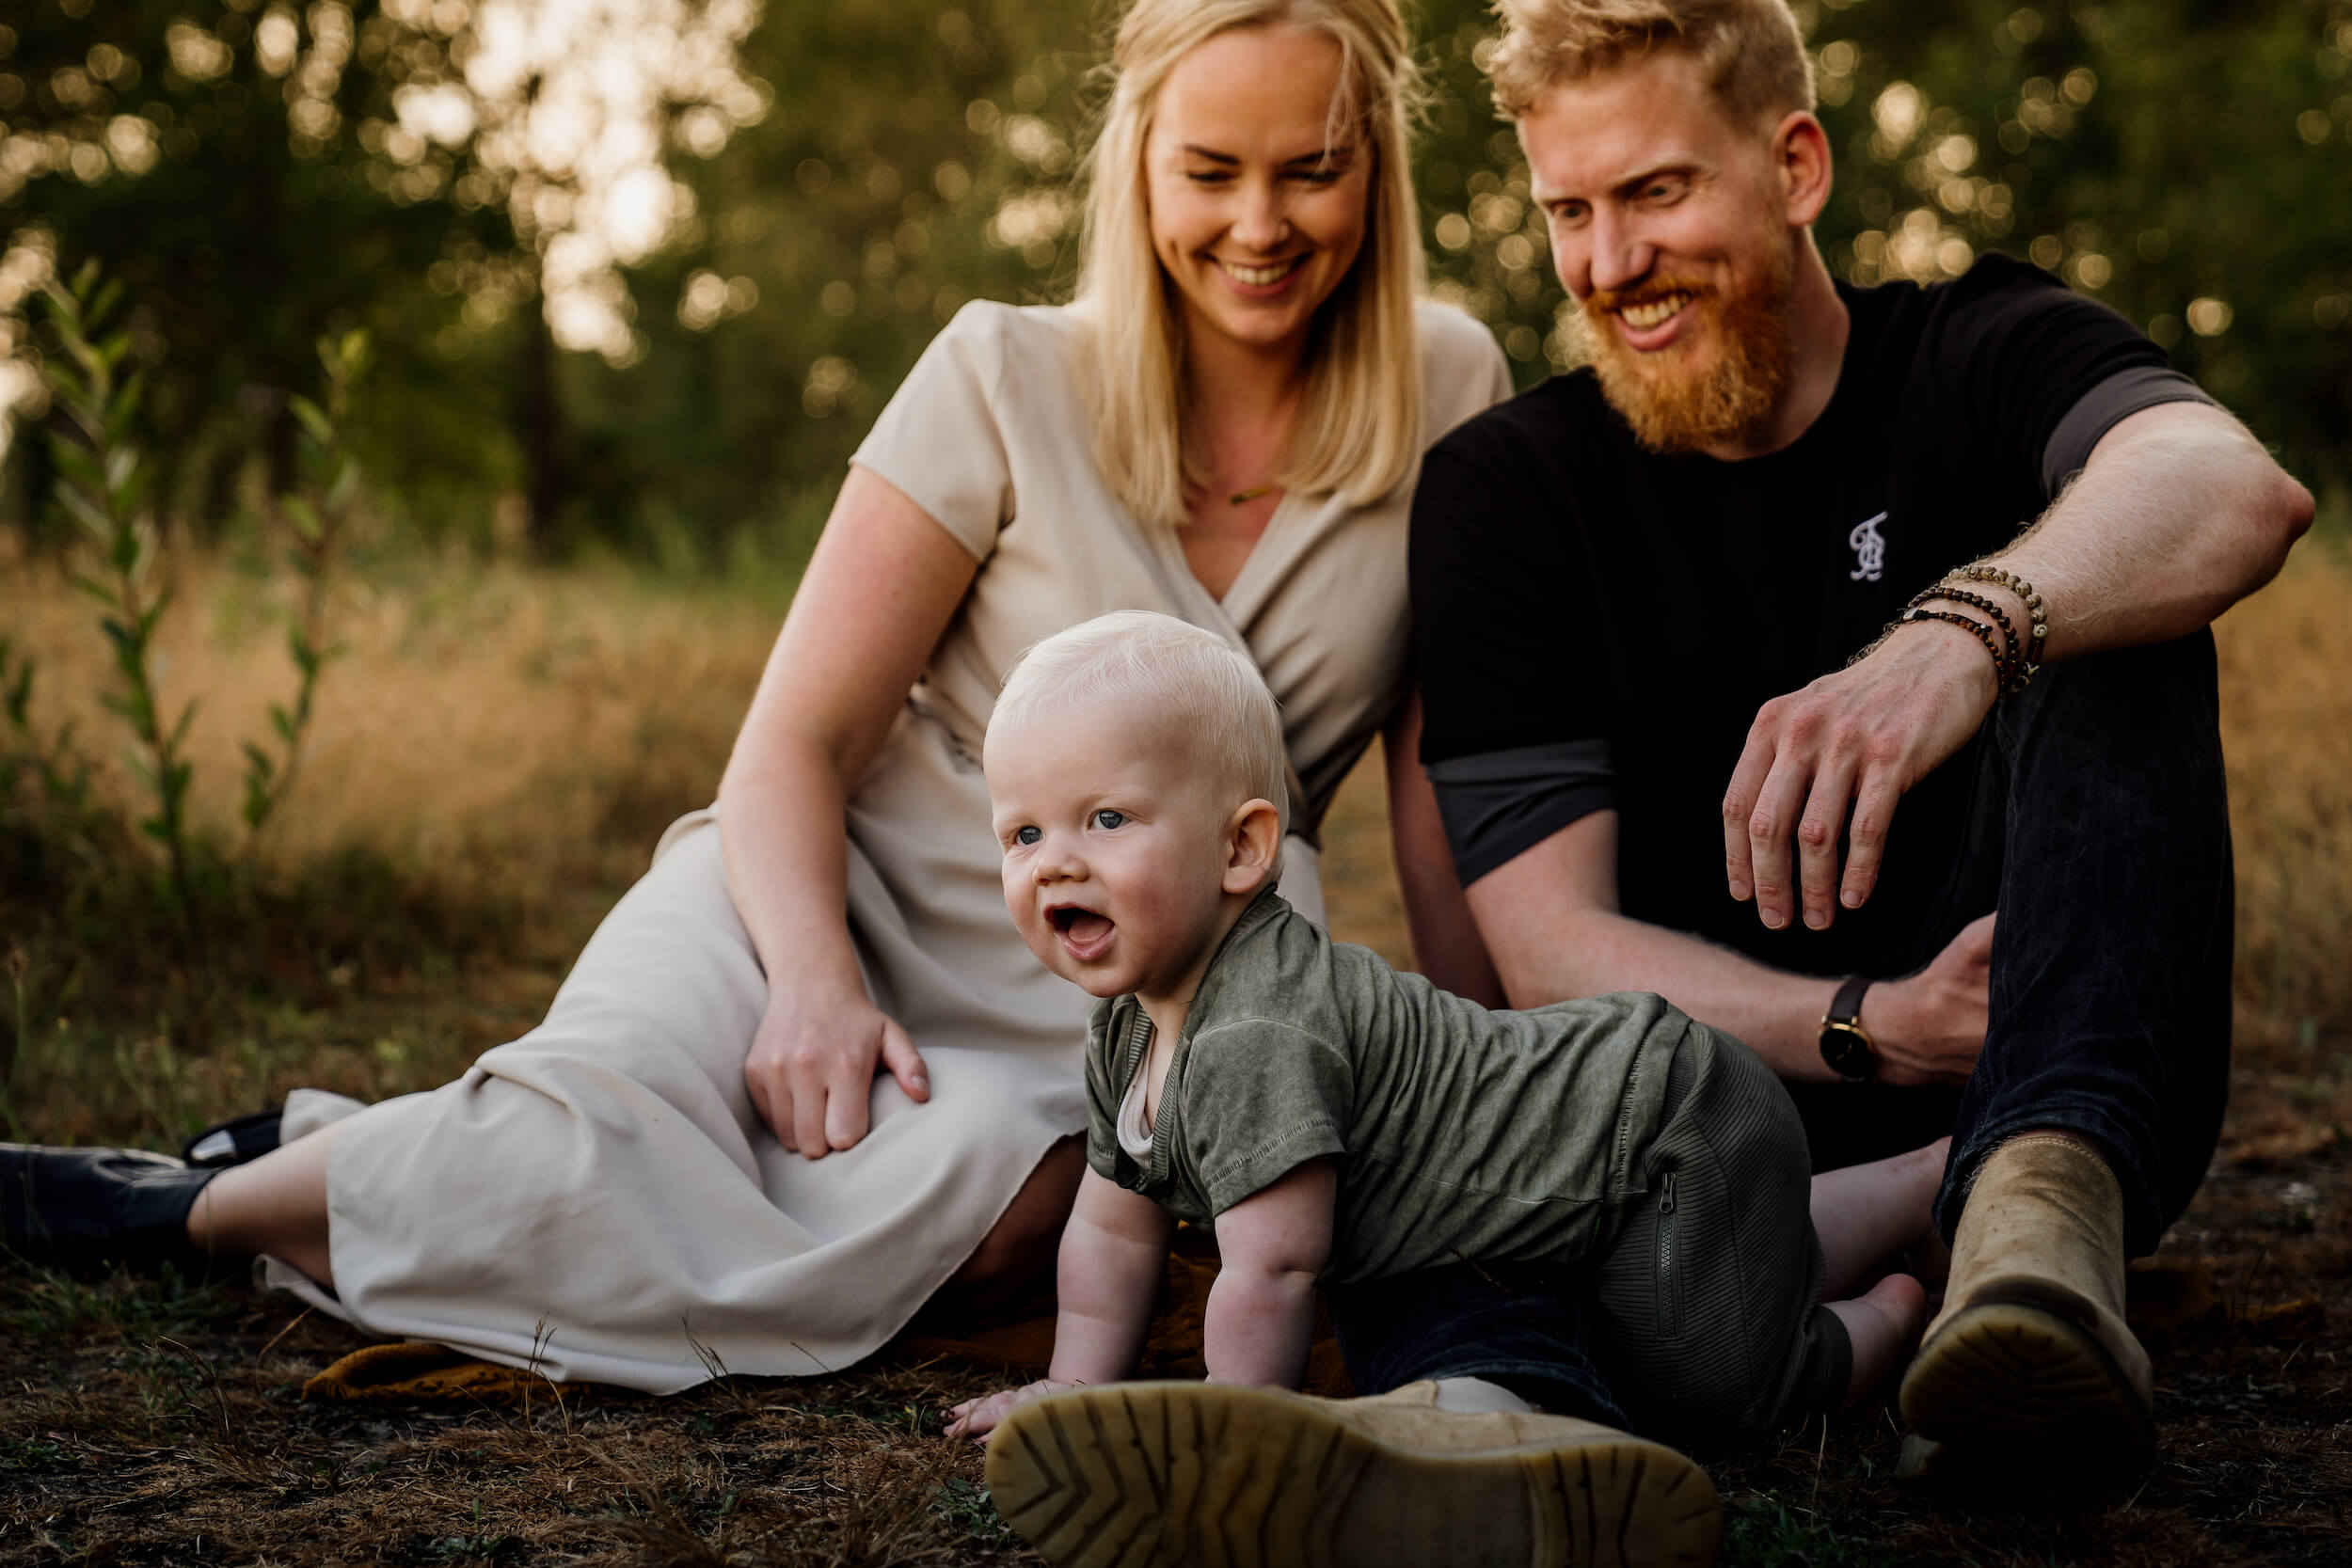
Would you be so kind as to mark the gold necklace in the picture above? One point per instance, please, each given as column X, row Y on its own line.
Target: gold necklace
column 1243, row 498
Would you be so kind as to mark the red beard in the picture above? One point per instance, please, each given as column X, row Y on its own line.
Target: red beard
column 1678, row 403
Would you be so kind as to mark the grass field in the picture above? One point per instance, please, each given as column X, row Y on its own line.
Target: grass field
column 498, row 751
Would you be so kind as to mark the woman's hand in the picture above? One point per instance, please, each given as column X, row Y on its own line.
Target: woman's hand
column 1930, row 1028
column 811, row 1069
column 976, row 1419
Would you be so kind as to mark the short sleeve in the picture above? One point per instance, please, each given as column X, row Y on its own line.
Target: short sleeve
column 1262, row 1098
column 1466, row 370
column 2029, row 350
column 2104, row 408
column 939, row 440
column 1101, row 1070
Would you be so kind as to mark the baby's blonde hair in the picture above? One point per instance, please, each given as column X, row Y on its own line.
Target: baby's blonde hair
column 1187, row 680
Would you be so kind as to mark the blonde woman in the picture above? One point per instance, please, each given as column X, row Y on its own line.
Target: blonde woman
column 806, row 1075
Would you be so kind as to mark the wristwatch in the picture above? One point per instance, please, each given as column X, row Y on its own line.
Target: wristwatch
column 1846, row 1045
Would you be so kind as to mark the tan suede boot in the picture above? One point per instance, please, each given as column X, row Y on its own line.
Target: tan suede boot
column 1170, row 1473
column 2029, row 1366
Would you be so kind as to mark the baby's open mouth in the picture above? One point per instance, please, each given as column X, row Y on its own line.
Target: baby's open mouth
column 1082, row 928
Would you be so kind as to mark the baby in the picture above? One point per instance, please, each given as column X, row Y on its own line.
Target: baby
column 1335, row 1120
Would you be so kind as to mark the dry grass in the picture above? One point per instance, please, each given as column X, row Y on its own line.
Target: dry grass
column 477, row 709
column 2286, row 704
column 524, row 737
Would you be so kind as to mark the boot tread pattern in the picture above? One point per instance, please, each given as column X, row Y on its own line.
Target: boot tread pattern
column 2023, row 1379
column 1154, row 1476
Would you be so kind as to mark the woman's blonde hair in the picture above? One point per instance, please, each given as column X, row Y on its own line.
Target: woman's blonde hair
column 1359, row 421
column 1187, row 678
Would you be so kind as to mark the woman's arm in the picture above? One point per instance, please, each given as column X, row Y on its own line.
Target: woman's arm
column 880, row 590
column 1113, row 1255
column 1260, row 1318
column 1446, row 944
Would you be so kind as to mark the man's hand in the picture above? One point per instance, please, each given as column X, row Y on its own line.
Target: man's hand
column 811, row 1069
column 976, row 1419
column 1930, row 1028
column 1854, row 741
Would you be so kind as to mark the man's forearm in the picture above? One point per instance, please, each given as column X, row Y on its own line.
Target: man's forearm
column 2179, row 515
column 1551, row 920
column 1592, row 952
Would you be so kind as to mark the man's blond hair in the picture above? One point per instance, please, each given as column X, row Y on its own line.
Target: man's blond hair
column 1189, row 680
column 1750, row 50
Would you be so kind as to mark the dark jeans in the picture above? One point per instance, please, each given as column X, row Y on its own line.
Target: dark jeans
column 2099, row 826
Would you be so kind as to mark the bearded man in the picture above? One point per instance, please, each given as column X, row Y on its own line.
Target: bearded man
column 1747, row 584
column 1691, row 640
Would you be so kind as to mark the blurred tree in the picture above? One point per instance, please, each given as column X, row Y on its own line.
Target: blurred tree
column 450, row 174
column 641, row 272
column 2184, row 160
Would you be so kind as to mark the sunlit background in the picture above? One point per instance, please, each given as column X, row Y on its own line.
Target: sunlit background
column 640, row 271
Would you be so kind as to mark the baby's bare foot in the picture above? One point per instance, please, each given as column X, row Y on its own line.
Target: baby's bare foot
column 1883, row 1323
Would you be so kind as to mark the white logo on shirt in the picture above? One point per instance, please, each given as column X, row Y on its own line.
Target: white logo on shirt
column 1869, row 549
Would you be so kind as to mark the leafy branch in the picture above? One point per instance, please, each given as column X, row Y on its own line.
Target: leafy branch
column 103, row 481
column 318, row 512
column 53, row 761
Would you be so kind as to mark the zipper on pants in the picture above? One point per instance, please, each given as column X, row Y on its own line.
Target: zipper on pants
column 1669, row 1262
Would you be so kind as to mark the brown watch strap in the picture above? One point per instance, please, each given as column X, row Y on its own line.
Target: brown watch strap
column 1845, row 1006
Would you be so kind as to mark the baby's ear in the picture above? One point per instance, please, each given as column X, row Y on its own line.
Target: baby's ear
column 1253, row 844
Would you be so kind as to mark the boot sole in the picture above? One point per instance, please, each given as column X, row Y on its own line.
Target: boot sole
column 2012, row 1385
column 1139, row 1474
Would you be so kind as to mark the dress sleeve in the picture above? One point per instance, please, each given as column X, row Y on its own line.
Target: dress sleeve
column 939, row 440
column 1466, row 373
column 1262, row 1098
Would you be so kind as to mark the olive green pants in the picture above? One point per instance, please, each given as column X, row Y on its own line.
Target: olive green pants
column 1710, row 1317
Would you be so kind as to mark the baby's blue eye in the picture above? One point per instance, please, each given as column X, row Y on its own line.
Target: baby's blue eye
column 1108, row 819
column 1026, row 836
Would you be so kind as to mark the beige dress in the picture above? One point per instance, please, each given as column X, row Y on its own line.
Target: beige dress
column 598, row 1198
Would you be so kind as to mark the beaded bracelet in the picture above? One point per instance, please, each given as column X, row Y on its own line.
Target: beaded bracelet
column 2002, row 578
column 1961, row 595
column 1968, row 623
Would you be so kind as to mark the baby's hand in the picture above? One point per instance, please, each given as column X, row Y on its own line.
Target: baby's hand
column 976, row 1419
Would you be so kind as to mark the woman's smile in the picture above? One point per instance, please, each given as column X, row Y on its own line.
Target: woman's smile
column 1263, row 280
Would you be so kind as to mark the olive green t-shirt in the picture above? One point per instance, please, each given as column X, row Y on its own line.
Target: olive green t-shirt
column 1458, row 1132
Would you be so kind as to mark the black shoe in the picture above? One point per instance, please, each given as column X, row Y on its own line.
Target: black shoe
column 87, row 1208
column 233, row 1142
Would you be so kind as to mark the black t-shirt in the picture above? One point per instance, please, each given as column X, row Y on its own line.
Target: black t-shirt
column 1597, row 626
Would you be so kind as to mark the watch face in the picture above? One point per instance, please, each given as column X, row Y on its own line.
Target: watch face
column 1846, row 1051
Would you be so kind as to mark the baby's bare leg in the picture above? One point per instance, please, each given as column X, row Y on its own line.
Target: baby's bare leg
column 1866, row 1214
column 1884, row 1323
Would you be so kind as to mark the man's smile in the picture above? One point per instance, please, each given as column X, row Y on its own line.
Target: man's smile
column 1654, row 312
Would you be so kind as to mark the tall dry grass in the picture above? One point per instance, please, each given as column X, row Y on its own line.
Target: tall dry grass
column 476, row 710
column 2286, row 722
column 518, row 737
